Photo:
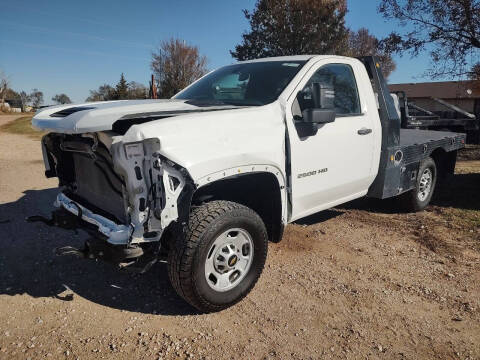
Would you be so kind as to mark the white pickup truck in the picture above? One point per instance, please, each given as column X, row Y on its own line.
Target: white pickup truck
column 207, row 178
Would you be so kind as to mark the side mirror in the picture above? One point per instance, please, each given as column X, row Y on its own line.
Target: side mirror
column 319, row 108
column 318, row 116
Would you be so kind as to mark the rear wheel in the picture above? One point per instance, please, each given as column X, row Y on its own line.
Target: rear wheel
column 220, row 258
column 418, row 198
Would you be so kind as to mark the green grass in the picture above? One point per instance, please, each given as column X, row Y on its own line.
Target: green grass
column 22, row 126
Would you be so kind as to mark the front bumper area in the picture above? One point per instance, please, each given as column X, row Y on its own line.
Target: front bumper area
column 116, row 234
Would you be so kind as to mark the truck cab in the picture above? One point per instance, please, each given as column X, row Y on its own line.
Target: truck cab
column 206, row 179
column 336, row 161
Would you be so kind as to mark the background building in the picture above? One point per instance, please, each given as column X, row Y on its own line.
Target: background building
column 464, row 94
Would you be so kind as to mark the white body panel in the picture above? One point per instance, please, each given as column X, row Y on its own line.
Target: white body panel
column 103, row 114
column 205, row 143
column 345, row 163
column 210, row 145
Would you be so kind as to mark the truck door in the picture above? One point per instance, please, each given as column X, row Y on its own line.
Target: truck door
column 337, row 161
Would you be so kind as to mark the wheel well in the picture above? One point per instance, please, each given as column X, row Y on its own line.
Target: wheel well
column 258, row 191
column 445, row 161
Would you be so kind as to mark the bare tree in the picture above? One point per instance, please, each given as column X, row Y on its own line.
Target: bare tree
column 362, row 43
column 122, row 90
column 25, row 98
column 449, row 29
column 104, row 92
column 475, row 72
column 137, row 90
column 36, row 97
column 61, row 99
column 4, row 83
column 176, row 65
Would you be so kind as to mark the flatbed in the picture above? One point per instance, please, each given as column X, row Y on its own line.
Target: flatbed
column 454, row 120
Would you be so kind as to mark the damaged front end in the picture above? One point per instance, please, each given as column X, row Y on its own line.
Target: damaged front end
column 125, row 195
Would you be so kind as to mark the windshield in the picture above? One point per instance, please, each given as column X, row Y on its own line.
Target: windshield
column 249, row 84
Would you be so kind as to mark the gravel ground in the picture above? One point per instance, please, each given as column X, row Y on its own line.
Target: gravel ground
column 360, row 281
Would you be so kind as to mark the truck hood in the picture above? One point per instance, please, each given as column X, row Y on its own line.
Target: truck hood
column 207, row 142
column 101, row 116
column 202, row 139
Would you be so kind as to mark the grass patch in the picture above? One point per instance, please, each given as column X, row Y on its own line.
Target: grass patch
column 22, row 126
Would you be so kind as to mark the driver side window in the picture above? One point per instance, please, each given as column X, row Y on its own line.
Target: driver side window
column 339, row 78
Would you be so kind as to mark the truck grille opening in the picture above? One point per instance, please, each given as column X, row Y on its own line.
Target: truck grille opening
column 85, row 170
column 95, row 183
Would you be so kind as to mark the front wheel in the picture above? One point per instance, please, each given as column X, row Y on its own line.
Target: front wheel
column 221, row 257
column 418, row 198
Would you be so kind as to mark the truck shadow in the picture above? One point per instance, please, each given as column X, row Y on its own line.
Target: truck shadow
column 28, row 265
column 461, row 191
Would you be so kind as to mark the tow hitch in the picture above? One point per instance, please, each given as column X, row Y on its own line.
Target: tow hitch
column 96, row 247
column 60, row 218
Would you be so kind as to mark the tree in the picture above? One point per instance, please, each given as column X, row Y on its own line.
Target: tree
column 104, row 93
column 294, row 27
column 449, row 29
column 36, row 97
column 475, row 72
column 25, row 98
column 137, row 90
column 362, row 43
column 61, row 99
column 176, row 65
column 121, row 89
column 474, row 75
column 4, row 82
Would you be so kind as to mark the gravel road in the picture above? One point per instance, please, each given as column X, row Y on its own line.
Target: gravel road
column 359, row 281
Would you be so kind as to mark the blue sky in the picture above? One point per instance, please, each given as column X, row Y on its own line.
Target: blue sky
column 74, row 46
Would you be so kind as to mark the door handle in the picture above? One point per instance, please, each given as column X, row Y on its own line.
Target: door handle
column 364, row 131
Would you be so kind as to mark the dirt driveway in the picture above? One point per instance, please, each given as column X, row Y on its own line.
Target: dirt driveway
column 7, row 118
column 355, row 282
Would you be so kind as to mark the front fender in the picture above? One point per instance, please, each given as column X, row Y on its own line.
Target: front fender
column 250, row 169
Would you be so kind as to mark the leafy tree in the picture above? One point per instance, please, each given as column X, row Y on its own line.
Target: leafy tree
column 121, row 89
column 304, row 27
column 104, row 93
column 294, row 27
column 61, row 99
column 36, row 97
column 362, row 43
column 176, row 65
column 449, row 29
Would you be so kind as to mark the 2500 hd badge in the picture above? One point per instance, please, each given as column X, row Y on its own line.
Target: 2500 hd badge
column 311, row 173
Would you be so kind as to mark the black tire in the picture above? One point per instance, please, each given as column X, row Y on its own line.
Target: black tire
column 187, row 255
column 411, row 201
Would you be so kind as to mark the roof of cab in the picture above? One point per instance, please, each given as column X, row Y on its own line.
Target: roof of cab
column 292, row 58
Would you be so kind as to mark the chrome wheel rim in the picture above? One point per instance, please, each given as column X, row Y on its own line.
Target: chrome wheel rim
column 229, row 259
column 425, row 185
